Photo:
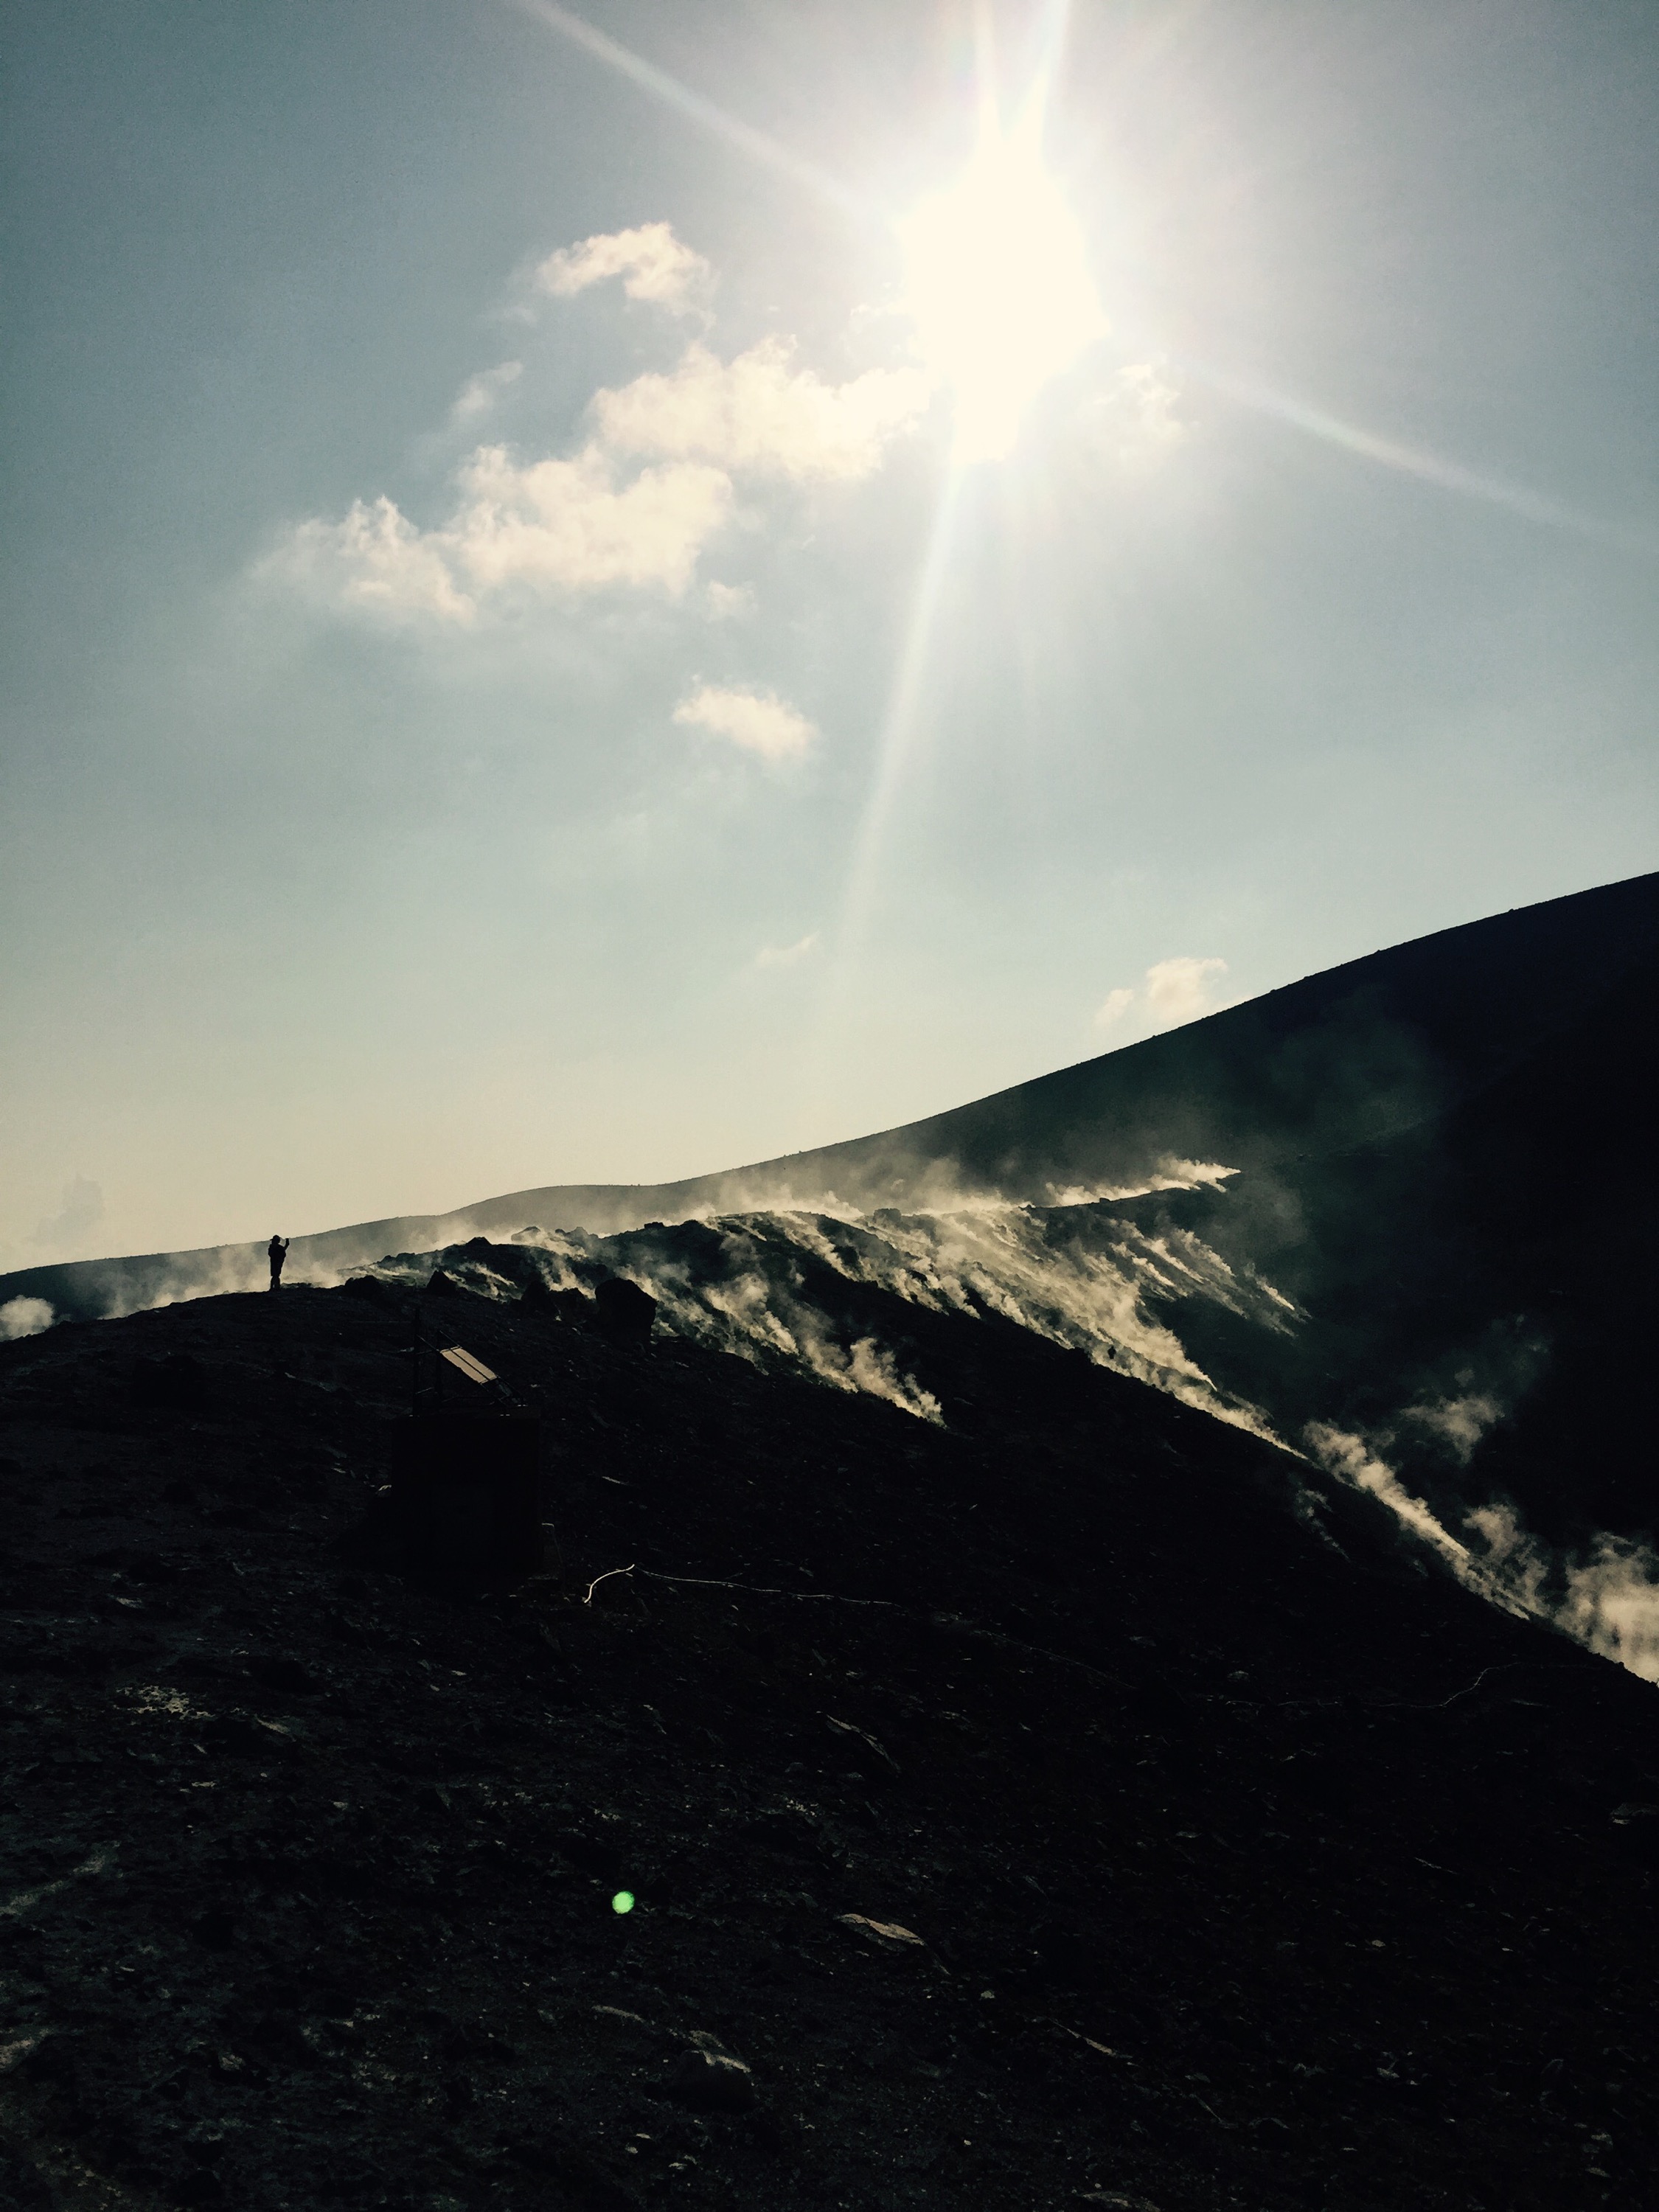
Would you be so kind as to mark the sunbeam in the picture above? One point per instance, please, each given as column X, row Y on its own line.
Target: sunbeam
column 1002, row 299
column 899, row 723
column 1427, row 468
column 897, row 742
column 741, row 136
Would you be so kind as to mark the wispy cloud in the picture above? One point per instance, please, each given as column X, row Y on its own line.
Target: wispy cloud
column 759, row 721
column 787, row 956
column 653, row 264
column 479, row 393
column 1173, row 991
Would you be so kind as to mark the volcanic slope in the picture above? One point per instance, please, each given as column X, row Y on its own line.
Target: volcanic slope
column 1475, row 1293
column 1463, row 1304
column 1069, row 1801
column 1342, row 1058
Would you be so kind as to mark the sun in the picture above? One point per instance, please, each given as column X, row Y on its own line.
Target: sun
column 998, row 287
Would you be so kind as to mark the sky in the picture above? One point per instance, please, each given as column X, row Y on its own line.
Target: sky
column 598, row 597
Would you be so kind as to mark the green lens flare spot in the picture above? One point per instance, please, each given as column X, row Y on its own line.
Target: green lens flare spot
column 623, row 1901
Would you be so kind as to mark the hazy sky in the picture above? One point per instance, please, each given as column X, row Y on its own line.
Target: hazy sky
column 596, row 609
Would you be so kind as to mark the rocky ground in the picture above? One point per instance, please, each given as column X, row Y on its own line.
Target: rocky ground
column 1039, row 1809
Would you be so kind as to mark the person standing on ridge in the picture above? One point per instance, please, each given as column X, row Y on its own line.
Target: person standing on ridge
column 276, row 1252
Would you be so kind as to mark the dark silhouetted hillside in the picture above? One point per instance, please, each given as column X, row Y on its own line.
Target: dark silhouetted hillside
column 1077, row 1801
column 1356, row 1053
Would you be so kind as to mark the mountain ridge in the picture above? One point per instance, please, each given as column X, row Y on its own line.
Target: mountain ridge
column 1351, row 1053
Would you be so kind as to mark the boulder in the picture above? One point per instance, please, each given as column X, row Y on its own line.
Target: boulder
column 624, row 1310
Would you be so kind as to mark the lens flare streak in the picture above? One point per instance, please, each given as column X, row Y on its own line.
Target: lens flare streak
column 1427, row 468
column 741, row 136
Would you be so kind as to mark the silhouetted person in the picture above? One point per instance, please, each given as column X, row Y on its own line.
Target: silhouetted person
column 276, row 1252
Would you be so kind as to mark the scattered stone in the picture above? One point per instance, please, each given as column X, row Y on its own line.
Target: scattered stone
column 712, row 2077
column 423, row 2003
column 846, row 1728
column 236, row 1737
column 885, row 1935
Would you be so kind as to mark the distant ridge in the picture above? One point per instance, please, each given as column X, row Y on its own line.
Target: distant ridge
column 1344, row 1057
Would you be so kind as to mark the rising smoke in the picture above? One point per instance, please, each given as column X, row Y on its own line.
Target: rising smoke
column 23, row 1317
column 1605, row 1596
column 760, row 1284
column 1090, row 1271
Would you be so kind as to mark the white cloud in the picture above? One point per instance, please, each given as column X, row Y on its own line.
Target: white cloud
column 565, row 525
column 1172, row 992
column 635, row 507
column 787, row 956
column 375, row 561
column 1135, row 420
column 1182, row 989
column 653, row 264
column 759, row 721
column 23, row 1317
column 479, row 393
column 761, row 415
column 550, row 527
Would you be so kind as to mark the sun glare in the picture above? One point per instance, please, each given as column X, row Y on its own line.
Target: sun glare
column 998, row 283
